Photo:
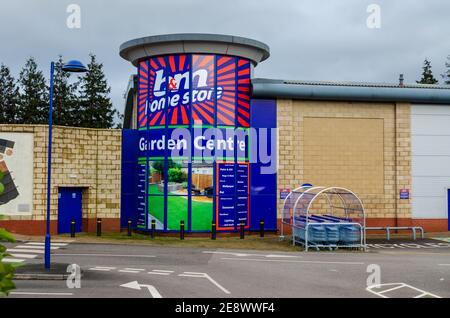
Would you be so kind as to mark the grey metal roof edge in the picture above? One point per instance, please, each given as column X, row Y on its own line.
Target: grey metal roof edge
column 349, row 83
column 269, row 88
column 194, row 37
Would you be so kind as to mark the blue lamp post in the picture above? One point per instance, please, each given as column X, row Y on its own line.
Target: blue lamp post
column 72, row 66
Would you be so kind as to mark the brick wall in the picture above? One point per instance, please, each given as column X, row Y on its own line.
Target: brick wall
column 87, row 158
column 362, row 146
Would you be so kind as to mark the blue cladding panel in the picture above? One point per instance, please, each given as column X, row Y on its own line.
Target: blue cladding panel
column 448, row 203
column 128, row 186
column 263, row 203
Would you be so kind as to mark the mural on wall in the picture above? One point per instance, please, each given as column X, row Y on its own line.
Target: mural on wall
column 16, row 173
column 8, row 189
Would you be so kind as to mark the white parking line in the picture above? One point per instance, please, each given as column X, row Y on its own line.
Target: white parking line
column 43, row 244
column 257, row 255
column 398, row 286
column 290, row 261
column 135, row 269
column 444, row 264
column 156, row 273
column 162, row 271
column 42, row 294
column 102, row 269
column 35, row 247
column 16, row 250
column 23, row 255
column 204, row 275
column 12, row 260
column 127, row 271
column 106, row 255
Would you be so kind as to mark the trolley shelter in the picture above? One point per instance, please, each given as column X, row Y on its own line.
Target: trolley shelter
column 324, row 217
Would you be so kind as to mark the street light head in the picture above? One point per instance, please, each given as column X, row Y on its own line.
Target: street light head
column 74, row 66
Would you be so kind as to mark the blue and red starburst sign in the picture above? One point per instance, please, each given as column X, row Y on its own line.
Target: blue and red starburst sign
column 186, row 89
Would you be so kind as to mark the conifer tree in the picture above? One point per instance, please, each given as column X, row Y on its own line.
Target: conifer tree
column 33, row 101
column 427, row 74
column 95, row 105
column 9, row 94
column 65, row 110
column 446, row 75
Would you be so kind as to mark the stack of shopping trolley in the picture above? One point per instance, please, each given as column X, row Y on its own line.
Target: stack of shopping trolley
column 327, row 231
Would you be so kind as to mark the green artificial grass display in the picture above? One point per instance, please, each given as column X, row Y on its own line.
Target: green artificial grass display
column 177, row 210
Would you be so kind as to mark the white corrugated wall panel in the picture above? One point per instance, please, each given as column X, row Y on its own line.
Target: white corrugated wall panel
column 430, row 146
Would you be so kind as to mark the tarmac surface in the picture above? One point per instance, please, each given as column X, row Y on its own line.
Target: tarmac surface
column 406, row 269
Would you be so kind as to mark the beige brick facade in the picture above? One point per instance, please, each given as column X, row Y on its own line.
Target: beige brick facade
column 86, row 158
column 357, row 145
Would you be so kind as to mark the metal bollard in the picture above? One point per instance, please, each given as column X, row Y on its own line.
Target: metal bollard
column 261, row 228
column 152, row 232
column 72, row 228
column 99, row 227
column 213, row 231
column 129, row 227
column 181, row 230
column 242, row 227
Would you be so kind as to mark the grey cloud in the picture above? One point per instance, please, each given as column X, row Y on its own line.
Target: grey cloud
column 309, row 39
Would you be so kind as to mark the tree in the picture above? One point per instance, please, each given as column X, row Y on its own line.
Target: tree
column 65, row 104
column 95, row 105
column 33, row 101
column 159, row 166
column 6, row 270
column 8, row 97
column 427, row 74
column 446, row 75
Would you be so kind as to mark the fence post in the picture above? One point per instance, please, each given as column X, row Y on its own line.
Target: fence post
column 181, row 230
column 213, row 231
column 152, row 233
column 261, row 228
column 99, row 227
column 242, row 230
column 129, row 227
column 72, row 228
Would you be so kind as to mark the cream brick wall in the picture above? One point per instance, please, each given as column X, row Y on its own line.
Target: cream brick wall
column 81, row 157
column 363, row 146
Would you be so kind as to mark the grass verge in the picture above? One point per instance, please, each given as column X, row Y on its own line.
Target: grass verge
column 251, row 242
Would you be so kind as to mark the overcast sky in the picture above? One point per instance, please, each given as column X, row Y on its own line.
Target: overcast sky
column 309, row 39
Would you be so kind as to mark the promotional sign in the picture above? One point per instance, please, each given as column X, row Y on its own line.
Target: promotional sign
column 233, row 197
column 141, row 219
column 193, row 109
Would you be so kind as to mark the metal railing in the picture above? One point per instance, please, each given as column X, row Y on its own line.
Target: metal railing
column 388, row 229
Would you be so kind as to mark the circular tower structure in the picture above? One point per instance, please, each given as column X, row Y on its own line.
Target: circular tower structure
column 193, row 116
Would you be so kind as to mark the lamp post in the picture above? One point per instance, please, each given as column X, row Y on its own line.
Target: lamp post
column 72, row 66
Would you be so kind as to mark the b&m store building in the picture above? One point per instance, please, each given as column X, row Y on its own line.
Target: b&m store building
column 204, row 142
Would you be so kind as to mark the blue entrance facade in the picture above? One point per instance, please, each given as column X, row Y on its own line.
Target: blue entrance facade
column 237, row 191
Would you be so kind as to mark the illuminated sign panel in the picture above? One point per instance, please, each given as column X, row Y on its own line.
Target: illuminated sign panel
column 193, row 112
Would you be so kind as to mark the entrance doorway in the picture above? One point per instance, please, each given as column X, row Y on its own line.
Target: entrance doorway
column 69, row 208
